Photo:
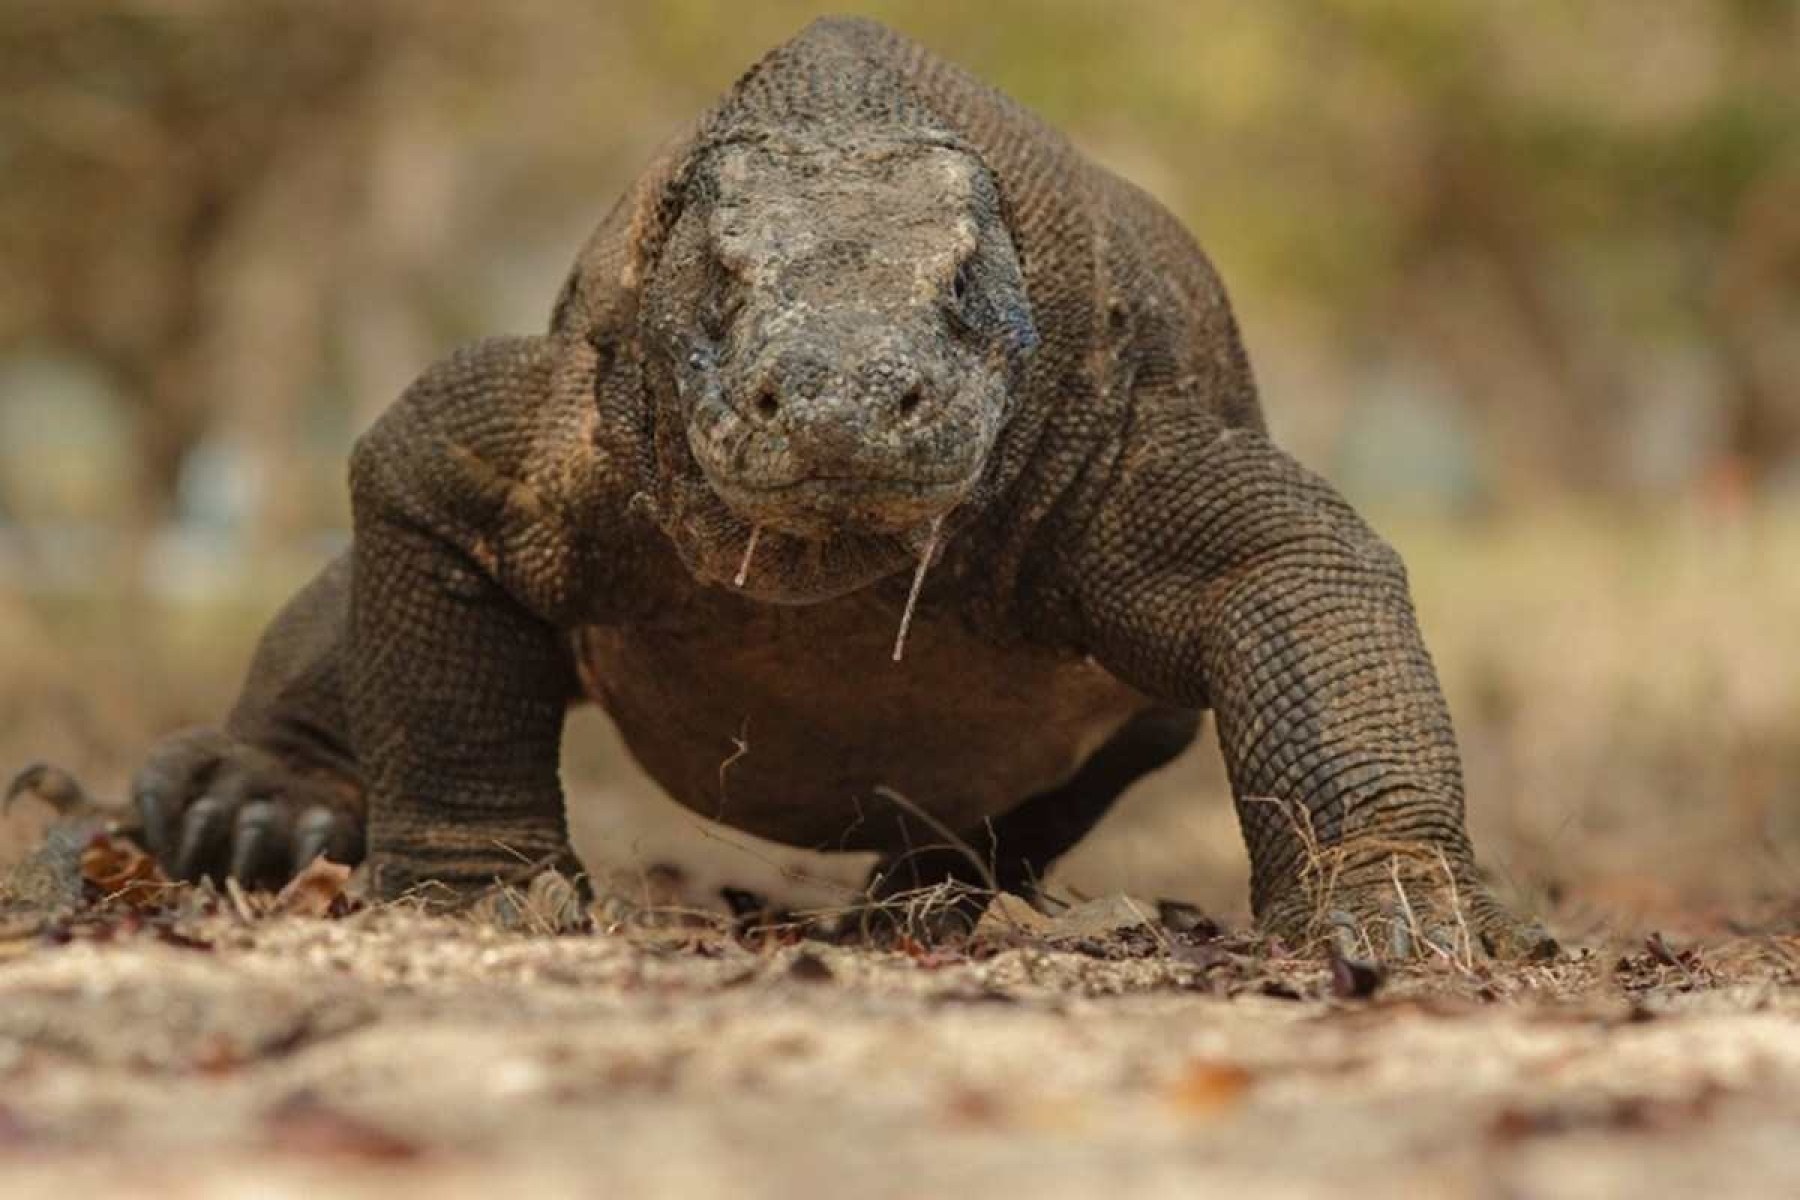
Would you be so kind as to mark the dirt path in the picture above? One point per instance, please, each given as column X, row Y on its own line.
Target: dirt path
column 389, row 1051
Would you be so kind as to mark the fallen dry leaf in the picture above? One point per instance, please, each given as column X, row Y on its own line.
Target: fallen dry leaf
column 115, row 869
column 319, row 890
column 1100, row 918
column 1008, row 915
column 975, row 1106
column 1206, row 1087
column 303, row 1125
column 1621, row 1114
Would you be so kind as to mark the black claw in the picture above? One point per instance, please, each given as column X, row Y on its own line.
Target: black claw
column 158, row 819
column 53, row 785
column 311, row 835
column 260, row 844
column 205, row 835
column 23, row 782
column 323, row 831
column 1344, row 933
column 345, row 845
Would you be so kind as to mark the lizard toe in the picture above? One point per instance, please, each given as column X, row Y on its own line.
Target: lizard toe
column 211, row 807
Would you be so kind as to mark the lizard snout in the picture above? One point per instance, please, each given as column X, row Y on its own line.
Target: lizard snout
column 812, row 443
column 877, row 417
column 800, row 393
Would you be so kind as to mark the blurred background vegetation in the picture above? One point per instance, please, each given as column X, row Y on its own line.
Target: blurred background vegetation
column 1523, row 278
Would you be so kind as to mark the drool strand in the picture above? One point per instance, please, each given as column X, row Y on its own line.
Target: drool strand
column 918, row 583
column 749, row 553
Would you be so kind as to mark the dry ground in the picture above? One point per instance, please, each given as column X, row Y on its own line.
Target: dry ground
column 389, row 1051
column 1628, row 696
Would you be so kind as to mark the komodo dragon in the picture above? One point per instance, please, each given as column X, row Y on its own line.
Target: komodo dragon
column 884, row 457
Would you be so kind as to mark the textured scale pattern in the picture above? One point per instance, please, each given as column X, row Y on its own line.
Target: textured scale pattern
column 1136, row 551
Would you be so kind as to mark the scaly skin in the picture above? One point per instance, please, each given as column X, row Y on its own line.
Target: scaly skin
column 869, row 316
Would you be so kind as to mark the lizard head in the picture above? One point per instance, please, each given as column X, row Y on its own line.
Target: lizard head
column 837, row 328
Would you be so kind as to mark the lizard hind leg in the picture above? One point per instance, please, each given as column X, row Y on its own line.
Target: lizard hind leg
column 1015, row 852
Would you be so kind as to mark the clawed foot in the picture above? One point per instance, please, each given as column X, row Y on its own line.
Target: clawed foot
column 210, row 806
column 945, row 912
column 931, row 895
column 1403, row 902
column 546, row 894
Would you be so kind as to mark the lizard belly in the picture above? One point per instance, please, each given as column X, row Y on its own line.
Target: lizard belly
column 792, row 723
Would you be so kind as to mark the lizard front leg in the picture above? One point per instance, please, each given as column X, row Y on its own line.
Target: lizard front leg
column 411, row 697
column 474, row 549
column 278, row 784
column 1215, row 570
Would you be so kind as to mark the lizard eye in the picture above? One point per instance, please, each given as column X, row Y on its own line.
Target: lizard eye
column 959, row 308
column 961, row 284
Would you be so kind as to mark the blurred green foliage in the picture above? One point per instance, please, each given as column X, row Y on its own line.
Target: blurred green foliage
column 1561, row 238
column 1488, row 258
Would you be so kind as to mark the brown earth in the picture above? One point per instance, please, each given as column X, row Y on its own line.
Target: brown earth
column 389, row 1051
column 1629, row 707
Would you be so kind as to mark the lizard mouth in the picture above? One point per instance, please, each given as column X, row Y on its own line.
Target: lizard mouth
column 819, row 506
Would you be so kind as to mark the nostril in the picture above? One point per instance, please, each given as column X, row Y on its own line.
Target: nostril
column 767, row 403
column 910, row 401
